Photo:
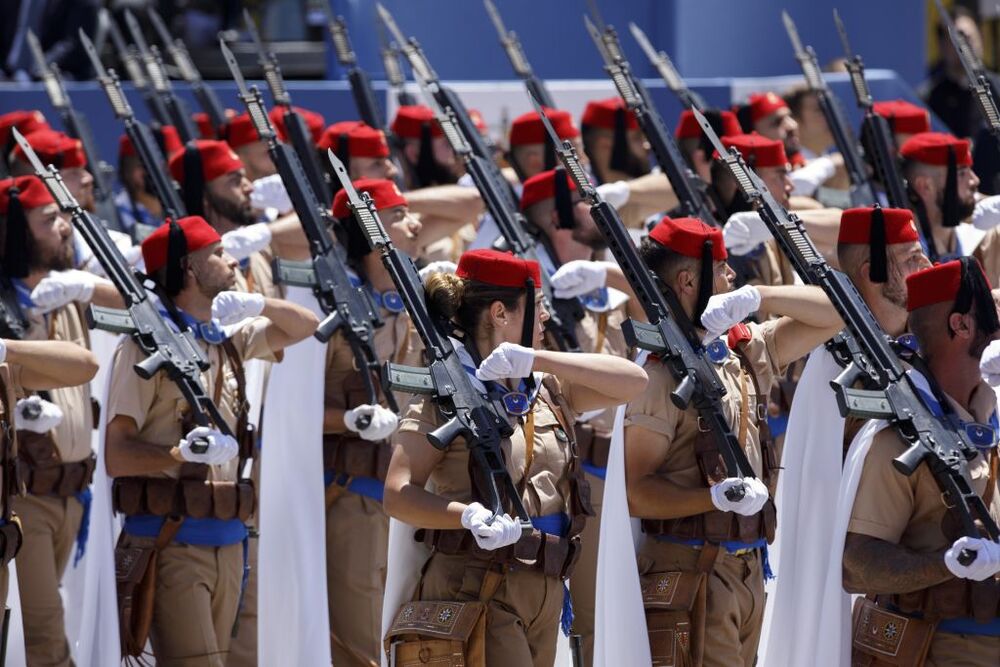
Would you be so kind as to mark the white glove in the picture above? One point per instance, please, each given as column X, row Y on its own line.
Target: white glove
column 131, row 253
column 232, row 307
column 617, row 194
column 244, row 241
column 989, row 364
column 508, row 360
column 986, row 215
column 987, row 562
column 37, row 415
column 270, row 192
column 754, row 495
column 725, row 310
column 61, row 287
column 806, row 180
column 440, row 266
column 222, row 448
column 744, row 231
column 503, row 532
column 3, row 350
column 579, row 277
column 382, row 422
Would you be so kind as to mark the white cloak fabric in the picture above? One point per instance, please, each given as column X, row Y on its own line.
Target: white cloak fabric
column 294, row 626
column 808, row 483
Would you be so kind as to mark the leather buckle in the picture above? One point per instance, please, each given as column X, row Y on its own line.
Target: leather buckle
column 701, row 425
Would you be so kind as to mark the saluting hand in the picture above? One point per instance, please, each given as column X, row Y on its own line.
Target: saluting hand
column 744, row 231
column 725, row 310
column 270, row 192
column 62, row 287
column 579, row 277
column 245, row 241
column 508, row 360
column 232, row 307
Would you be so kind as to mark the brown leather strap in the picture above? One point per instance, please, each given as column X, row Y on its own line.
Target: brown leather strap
column 602, row 331
column 168, row 531
column 242, row 404
column 991, row 482
column 8, row 446
column 744, row 409
column 491, row 583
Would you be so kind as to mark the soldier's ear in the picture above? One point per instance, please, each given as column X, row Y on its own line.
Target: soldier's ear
column 962, row 325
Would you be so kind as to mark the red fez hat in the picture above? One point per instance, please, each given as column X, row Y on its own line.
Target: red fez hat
column 904, row 117
column 933, row 148
column 410, row 120
column 501, row 269
column 314, row 122
column 528, row 128
column 166, row 135
column 687, row 236
column 856, row 226
column 601, row 113
column 54, row 147
column 688, row 127
column 217, row 159
column 384, row 193
column 31, row 191
column 26, row 122
column 197, row 233
column 938, row 284
column 763, row 105
column 205, row 128
column 239, row 131
column 757, row 151
column 542, row 186
column 362, row 140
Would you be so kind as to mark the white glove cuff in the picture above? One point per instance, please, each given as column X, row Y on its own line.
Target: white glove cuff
column 617, row 194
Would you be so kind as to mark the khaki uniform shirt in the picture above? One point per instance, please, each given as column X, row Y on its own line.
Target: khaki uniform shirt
column 602, row 333
column 72, row 435
column 908, row 510
column 547, row 483
column 988, row 254
column 157, row 405
column 654, row 411
column 258, row 277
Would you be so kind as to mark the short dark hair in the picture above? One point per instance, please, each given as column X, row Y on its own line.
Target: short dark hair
column 662, row 261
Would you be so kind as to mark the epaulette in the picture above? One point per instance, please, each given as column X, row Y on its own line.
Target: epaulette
column 739, row 334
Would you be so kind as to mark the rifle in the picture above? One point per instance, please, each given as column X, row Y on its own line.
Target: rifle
column 512, row 46
column 206, row 97
column 862, row 192
column 130, row 60
column 167, row 349
column 77, row 127
column 563, row 313
column 389, row 52
column 361, row 85
column 661, row 61
column 881, row 142
column 139, row 134
column 295, row 126
column 669, row 332
column 347, row 307
column 479, row 420
column 975, row 73
column 178, row 113
column 945, row 449
column 689, row 188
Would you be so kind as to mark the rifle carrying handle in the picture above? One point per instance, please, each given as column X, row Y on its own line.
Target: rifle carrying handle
column 967, row 557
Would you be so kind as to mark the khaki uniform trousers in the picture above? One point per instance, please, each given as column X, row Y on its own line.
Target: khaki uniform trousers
column 952, row 650
column 50, row 527
column 243, row 647
column 583, row 581
column 196, row 599
column 735, row 598
column 357, row 544
column 522, row 618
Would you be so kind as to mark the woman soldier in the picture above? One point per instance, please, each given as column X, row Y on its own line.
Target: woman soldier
column 491, row 302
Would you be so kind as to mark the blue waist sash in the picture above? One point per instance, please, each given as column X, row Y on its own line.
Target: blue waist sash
column 558, row 524
column 970, row 626
column 600, row 472
column 731, row 546
column 369, row 487
column 199, row 532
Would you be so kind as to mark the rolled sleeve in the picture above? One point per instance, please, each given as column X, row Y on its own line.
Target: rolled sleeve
column 654, row 411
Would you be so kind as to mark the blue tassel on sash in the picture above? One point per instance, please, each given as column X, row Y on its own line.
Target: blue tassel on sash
column 558, row 524
column 85, row 497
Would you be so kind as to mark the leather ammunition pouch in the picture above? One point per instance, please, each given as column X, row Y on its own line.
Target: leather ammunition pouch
column 442, row 633
column 42, row 470
column 669, row 599
column 955, row 598
column 135, row 577
column 355, row 457
column 593, row 446
column 883, row 638
column 552, row 555
column 195, row 498
column 718, row 526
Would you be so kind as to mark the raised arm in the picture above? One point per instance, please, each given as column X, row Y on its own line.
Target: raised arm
column 51, row 364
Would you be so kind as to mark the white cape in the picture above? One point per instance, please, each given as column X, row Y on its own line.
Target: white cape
column 88, row 587
column 294, row 626
column 807, row 483
column 620, row 636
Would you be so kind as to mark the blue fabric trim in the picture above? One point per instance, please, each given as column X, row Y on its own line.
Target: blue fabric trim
column 210, row 332
column 558, row 524
column 969, row 626
column 369, row 487
column 597, row 471
column 198, row 532
column 777, row 425
column 23, row 293
column 731, row 546
column 85, row 498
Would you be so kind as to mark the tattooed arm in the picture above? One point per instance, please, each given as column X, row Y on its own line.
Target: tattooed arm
column 875, row 566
